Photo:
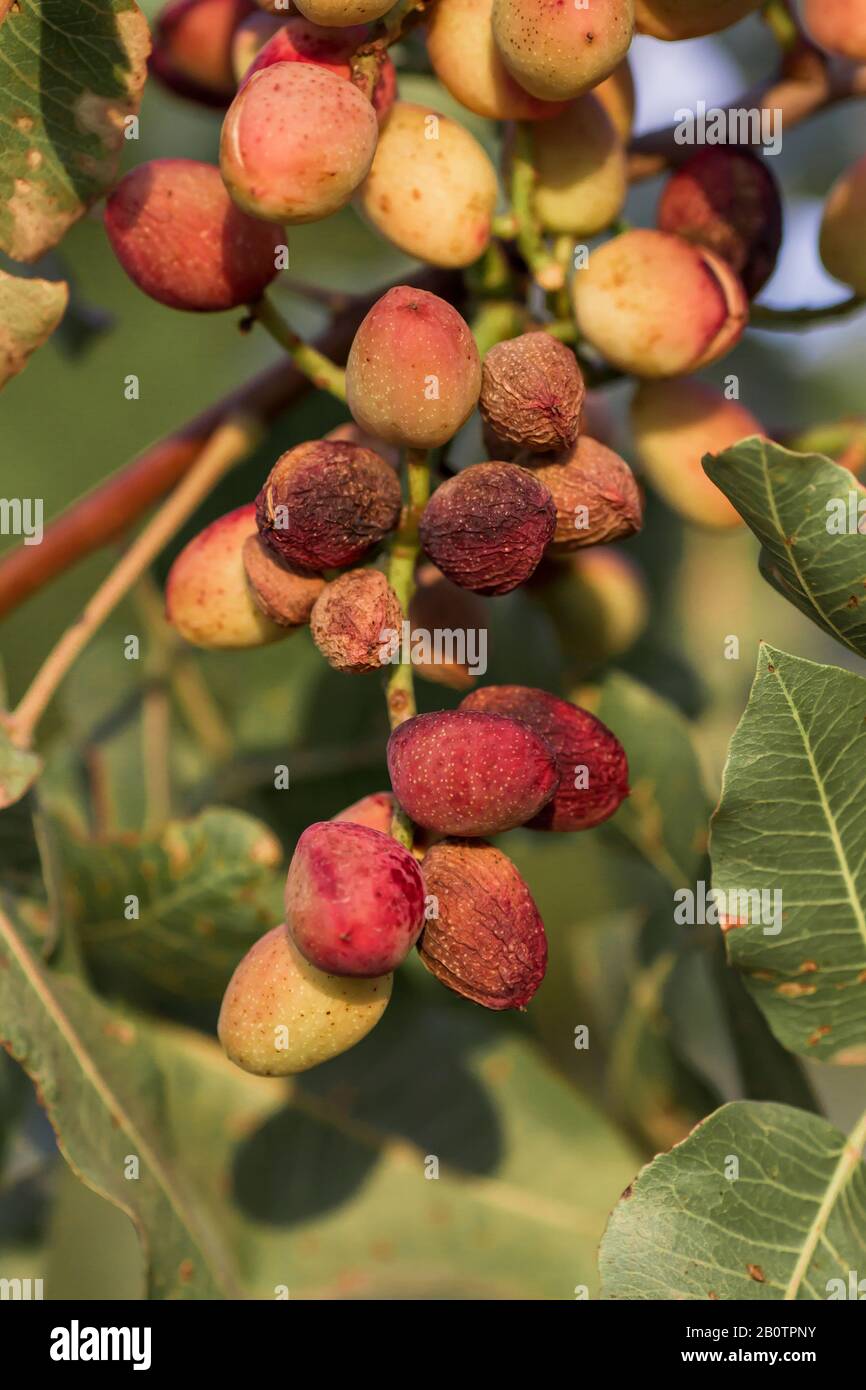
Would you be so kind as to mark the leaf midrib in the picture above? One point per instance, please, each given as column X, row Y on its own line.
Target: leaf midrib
column 849, row 1161
column 789, row 549
column 836, row 839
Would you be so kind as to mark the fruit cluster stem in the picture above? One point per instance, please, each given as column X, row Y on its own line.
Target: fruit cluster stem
column 402, row 560
column 545, row 269
column 321, row 371
column 228, row 445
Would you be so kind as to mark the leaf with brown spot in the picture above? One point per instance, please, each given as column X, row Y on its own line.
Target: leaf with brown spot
column 790, row 820
column 104, row 1095
column 70, row 74
column 30, row 310
column 790, row 1220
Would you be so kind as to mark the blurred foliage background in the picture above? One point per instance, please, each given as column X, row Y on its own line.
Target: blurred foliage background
column 320, row 1186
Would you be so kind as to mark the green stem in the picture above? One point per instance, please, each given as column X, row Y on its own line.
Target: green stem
column 543, row 265
column 320, row 370
column 402, row 560
column 778, row 18
column 496, row 320
column 763, row 316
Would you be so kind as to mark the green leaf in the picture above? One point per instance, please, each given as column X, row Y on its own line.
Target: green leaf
column 328, row 1183
column 665, row 817
column 206, row 890
column 70, row 73
column 791, row 820
column 96, row 1078
column 784, row 498
column 792, row 1218
column 30, row 310
column 19, row 769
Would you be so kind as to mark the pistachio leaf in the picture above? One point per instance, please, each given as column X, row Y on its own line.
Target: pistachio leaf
column 177, row 909
column 791, row 502
column 103, row 1093
column 791, row 822
column 30, row 310
column 70, row 74
column 761, row 1201
column 665, row 816
column 19, row 769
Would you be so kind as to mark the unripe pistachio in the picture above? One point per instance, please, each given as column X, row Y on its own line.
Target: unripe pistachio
column 486, row 939
column 432, row 189
column 656, row 306
column 590, row 760
column 466, row 60
column 413, row 373
column 580, row 163
column 689, row 19
column 298, row 41
column 487, row 528
column 843, row 229
column 353, row 621
column 343, row 12
column 727, row 200
column 532, row 393
column 354, row 899
column 599, row 601
column 326, row 503
column 192, row 48
column 284, row 593
column 557, row 51
column 595, row 493
column 462, row 773
column 208, row 598
column 180, row 238
column 280, row 1015
column 674, row 424
column 296, row 142
column 440, row 608
column 838, row 25
column 617, row 95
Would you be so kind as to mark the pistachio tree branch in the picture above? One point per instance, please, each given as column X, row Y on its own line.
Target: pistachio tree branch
column 109, row 509
column 230, row 443
column 765, row 316
column 322, row 372
column 808, row 83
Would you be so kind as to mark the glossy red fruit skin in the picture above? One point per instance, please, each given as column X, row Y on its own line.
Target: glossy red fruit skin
column 177, row 59
column 354, row 899
column 484, row 938
column 487, row 528
column 300, row 41
column 458, row 772
column 180, row 238
column 727, row 200
column 578, row 740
